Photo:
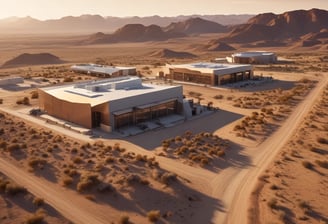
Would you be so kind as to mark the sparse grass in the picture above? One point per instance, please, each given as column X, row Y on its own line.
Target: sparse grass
column 125, row 219
column 273, row 203
column 307, row 165
column 38, row 201
column 24, row 101
column 322, row 163
column 34, row 219
column 154, row 215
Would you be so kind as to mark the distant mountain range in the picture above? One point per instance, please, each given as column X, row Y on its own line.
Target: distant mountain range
column 96, row 23
column 287, row 27
column 140, row 33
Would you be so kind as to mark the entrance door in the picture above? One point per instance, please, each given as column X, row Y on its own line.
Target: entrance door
column 96, row 119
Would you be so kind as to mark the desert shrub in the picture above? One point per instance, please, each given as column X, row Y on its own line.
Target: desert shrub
column 304, row 205
column 110, row 159
column 322, row 140
column 322, row 163
column 154, row 215
column 38, row 201
column 1, row 101
column 13, row 147
column 34, row 219
column 168, row 177
column 3, row 145
column 36, row 162
column 273, row 203
column 34, row 95
column 77, row 160
column 221, row 153
column 124, row 219
column 24, row 101
column 218, row 97
column 68, row 79
column 13, row 189
column 66, row 181
column 307, row 165
column 274, row 187
column 87, row 181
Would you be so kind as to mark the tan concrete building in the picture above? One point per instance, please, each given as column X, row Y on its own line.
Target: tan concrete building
column 256, row 57
column 104, row 71
column 111, row 103
column 209, row 73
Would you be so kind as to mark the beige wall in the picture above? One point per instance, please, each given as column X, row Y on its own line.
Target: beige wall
column 104, row 110
column 78, row 113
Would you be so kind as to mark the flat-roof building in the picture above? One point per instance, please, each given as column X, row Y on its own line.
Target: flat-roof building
column 11, row 80
column 256, row 57
column 104, row 71
column 209, row 73
column 111, row 103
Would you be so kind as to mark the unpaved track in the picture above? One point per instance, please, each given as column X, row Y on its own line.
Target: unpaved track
column 232, row 186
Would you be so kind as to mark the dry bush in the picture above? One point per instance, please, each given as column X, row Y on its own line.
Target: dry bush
column 34, row 94
column 124, row 219
column 38, row 201
column 13, row 188
column 273, row 203
column 87, row 181
column 322, row 163
column 307, row 165
column 35, row 219
column 36, row 162
column 24, row 101
column 322, row 140
column 1, row 101
column 66, row 181
column 218, row 97
column 154, row 215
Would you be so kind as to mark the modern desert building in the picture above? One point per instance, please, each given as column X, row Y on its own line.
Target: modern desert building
column 209, row 73
column 103, row 71
column 111, row 103
column 11, row 81
column 256, row 57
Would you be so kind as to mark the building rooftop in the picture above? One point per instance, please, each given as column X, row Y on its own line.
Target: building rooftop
column 102, row 91
column 101, row 69
column 213, row 68
column 253, row 54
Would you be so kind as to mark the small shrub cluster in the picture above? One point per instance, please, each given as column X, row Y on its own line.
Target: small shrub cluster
column 154, row 215
column 24, row 101
column 87, row 181
column 10, row 187
column 200, row 148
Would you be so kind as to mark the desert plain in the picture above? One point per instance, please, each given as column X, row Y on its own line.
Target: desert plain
column 260, row 157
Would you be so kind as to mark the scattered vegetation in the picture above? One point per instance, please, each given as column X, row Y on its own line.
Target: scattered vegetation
column 154, row 215
column 199, row 148
column 24, row 101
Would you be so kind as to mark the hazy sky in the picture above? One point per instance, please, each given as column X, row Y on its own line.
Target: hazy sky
column 50, row 9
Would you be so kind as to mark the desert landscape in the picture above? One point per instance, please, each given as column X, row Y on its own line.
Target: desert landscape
column 258, row 154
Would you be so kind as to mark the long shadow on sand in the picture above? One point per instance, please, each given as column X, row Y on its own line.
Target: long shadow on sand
column 209, row 123
column 233, row 158
column 177, row 203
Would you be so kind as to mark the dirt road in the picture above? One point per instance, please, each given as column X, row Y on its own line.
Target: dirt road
column 232, row 186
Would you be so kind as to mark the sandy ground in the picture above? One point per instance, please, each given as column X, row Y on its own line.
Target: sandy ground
column 292, row 189
column 218, row 192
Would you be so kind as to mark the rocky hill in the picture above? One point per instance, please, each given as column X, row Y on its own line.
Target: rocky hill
column 289, row 26
column 33, row 59
column 167, row 53
column 133, row 33
column 196, row 26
